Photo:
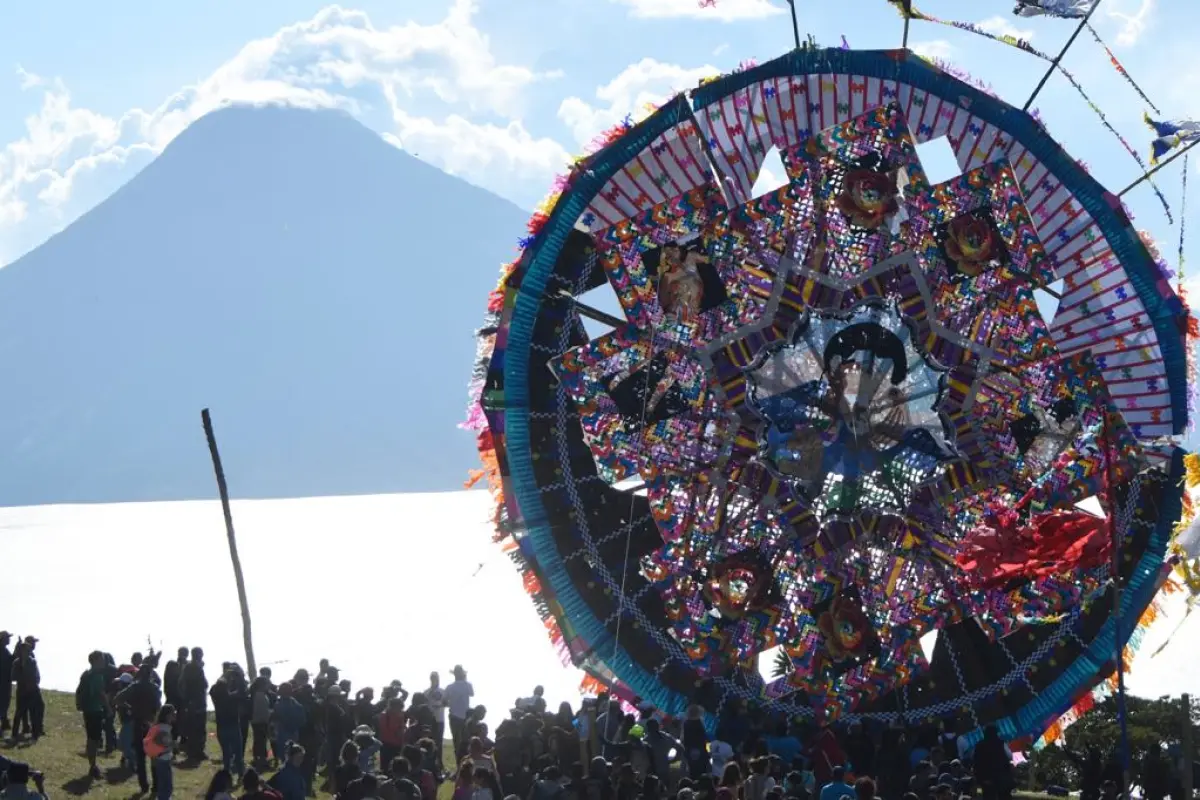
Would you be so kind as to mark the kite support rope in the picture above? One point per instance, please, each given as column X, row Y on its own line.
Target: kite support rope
column 633, row 500
column 1182, row 228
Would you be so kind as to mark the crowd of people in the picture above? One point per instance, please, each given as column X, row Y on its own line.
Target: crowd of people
column 313, row 732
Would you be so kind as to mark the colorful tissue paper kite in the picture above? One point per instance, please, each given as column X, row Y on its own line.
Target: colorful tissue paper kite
column 789, row 445
column 1171, row 134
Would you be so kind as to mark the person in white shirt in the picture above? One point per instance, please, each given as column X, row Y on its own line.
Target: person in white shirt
column 437, row 704
column 457, row 697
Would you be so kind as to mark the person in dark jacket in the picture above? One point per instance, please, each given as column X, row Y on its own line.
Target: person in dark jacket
column 6, row 664
column 171, row 675
column 290, row 780
column 193, row 690
column 993, row 766
column 289, row 717
column 310, row 730
column 338, row 725
column 695, row 744
column 229, row 698
column 29, row 690
column 143, row 700
column 1090, row 766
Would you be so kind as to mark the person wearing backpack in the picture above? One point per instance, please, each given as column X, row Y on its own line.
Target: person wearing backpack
column 91, row 700
column 143, row 699
column 158, row 746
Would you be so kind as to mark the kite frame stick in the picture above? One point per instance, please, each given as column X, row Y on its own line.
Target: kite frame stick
column 1155, row 169
column 1054, row 64
column 593, row 313
column 795, row 23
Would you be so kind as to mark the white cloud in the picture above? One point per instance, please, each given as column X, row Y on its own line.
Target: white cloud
column 1133, row 22
column 488, row 154
column 337, row 59
column 937, row 48
column 647, row 81
column 720, row 10
column 1001, row 26
column 721, row 48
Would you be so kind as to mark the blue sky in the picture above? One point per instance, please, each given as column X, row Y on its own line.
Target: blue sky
column 501, row 92
column 497, row 92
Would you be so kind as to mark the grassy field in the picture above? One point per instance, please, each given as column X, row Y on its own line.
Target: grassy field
column 60, row 756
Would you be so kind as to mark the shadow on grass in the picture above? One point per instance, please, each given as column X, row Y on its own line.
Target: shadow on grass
column 16, row 744
column 118, row 774
column 78, row 786
column 191, row 762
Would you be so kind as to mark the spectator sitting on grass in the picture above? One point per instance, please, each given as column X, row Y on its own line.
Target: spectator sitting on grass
column 254, row 789
column 17, row 787
column 290, row 780
column 221, row 786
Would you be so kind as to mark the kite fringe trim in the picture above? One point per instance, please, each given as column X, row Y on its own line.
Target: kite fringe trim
column 1056, row 731
column 1159, row 577
column 506, row 518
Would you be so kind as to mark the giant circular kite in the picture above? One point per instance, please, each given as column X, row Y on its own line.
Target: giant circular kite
column 833, row 420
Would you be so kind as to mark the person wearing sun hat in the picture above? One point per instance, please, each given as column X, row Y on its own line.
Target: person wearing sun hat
column 458, row 701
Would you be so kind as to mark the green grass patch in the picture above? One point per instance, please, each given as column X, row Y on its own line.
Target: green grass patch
column 60, row 756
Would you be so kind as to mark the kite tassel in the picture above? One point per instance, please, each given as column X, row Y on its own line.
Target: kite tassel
column 1162, row 129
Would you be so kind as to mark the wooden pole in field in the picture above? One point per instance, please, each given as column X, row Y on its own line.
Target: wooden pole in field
column 252, row 671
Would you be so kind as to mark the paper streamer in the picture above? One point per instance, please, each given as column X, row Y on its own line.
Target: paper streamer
column 1121, row 69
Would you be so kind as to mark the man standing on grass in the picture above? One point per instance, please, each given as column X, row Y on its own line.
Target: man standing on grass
column 29, row 690
column 228, row 697
column 91, row 700
column 437, row 704
column 458, row 699
column 143, row 699
column 193, row 689
column 6, row 662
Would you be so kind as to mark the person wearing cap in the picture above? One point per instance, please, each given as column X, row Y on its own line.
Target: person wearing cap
column 458, row 700
column 6, row 664
column 31, row 708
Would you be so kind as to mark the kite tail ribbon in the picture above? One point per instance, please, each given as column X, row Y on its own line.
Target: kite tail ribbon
column 1170, row 134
